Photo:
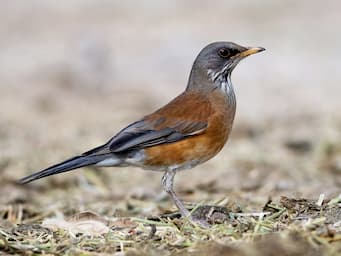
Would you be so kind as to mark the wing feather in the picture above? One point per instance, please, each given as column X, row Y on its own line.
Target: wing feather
column 167, row 125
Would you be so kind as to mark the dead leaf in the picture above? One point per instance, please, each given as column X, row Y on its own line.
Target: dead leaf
column 87, row 223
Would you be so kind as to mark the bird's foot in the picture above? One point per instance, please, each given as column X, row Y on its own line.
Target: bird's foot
column 207, row 215
column 203, row 216
column 199, row 222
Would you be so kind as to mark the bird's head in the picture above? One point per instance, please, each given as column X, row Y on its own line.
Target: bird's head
column 216, row 62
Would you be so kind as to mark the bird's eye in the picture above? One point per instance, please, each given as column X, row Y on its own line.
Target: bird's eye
column 224, row 52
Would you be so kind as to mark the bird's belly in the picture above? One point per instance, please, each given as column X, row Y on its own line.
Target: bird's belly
column 183, row 154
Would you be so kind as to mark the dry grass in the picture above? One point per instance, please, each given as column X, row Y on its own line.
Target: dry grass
column 293, row 227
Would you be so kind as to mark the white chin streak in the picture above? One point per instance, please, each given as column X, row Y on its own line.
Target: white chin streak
column 226, row 86
column 223, row 83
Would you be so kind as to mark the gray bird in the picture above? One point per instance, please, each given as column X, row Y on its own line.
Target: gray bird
column 188, row 131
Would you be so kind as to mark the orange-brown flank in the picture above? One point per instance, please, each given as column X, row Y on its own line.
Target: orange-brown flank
column 212, row 109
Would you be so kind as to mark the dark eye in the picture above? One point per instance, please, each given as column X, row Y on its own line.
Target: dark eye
column 224, row 52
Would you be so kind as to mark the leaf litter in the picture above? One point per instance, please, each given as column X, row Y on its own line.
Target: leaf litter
column 299, row 223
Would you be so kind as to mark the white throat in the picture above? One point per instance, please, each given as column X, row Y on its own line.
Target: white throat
column 227, row 86
column 223, row 83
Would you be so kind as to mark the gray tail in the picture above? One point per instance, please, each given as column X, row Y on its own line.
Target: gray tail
column 68, row 165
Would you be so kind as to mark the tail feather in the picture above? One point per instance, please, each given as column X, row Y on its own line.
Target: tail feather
column 67, row 165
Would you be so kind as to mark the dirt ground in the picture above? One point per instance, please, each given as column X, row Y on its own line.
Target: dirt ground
column 72, row 73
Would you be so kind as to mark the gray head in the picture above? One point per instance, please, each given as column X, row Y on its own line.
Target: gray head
column 215, row 63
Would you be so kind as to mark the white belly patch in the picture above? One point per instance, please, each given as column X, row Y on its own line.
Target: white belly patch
column 110, row 161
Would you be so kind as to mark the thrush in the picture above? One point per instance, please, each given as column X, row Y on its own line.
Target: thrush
column 188, row 131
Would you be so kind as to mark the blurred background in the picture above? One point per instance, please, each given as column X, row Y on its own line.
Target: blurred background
column 73, row 73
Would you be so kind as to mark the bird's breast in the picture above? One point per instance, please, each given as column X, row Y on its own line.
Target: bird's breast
column 196, row 149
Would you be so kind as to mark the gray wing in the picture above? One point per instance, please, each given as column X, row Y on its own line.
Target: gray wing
column 143, row 134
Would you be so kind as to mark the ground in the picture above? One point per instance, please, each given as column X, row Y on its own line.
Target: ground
column 273, row 190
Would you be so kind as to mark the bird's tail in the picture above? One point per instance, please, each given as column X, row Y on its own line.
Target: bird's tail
column 67, row 165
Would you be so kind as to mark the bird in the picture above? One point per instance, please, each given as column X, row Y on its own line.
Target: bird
column 189, row 130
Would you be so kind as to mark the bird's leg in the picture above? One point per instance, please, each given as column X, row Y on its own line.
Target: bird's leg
column 167, row 182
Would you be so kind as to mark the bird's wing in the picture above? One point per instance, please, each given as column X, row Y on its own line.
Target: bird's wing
column 158, row 128
column 140, row 135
